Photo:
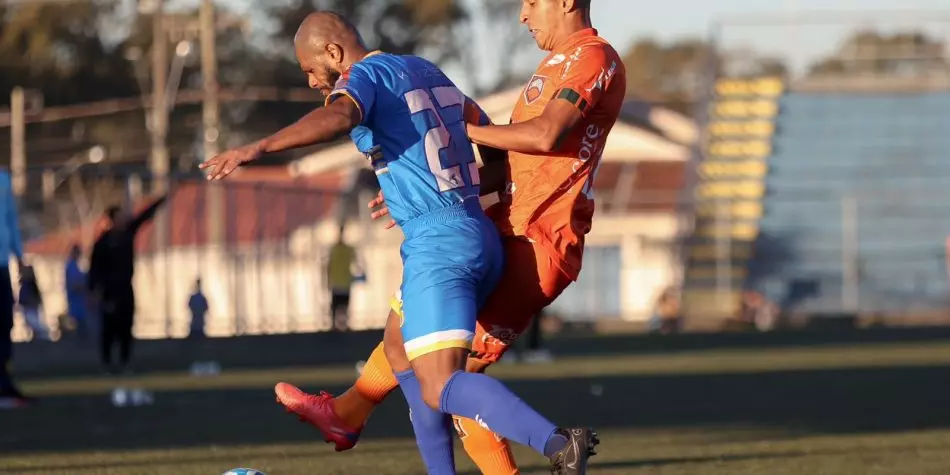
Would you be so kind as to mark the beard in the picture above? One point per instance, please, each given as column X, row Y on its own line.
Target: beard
column 333, row 77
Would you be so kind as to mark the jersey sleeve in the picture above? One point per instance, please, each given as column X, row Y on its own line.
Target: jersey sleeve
column 359, row 85
column 586, row 77
column 474, row 114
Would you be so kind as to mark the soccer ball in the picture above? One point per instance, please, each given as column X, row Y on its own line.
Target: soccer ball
column 243, row 471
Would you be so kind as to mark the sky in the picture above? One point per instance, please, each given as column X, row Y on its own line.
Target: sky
column 797, row 31
column 811, row 27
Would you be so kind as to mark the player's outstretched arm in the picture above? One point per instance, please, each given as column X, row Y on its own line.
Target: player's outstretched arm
column 321, row 125
column 539, row 135
column 148, row 213
column 579, row 91
column 475, row 115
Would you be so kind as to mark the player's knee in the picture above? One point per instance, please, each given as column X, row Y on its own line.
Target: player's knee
column 432, row 393
column 393, row 345
column 435, row 369
column 432, row 381
column 395, row 354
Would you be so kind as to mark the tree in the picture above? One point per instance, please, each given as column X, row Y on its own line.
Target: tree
column 871, row 52
column 73, row 52
column 394, row 26
column 58, row 49
column 447, row 32
column 495, row 26
column 676, row 73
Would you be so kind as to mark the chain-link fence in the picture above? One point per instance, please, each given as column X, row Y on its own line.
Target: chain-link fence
column 262, row 263
column 822, row 182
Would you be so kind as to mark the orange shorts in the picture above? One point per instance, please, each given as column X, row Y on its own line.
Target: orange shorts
column 530, row 281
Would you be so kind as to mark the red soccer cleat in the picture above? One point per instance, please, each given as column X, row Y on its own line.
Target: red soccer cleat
column 318, row 411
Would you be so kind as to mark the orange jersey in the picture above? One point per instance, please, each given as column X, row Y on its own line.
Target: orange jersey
column 549, row 198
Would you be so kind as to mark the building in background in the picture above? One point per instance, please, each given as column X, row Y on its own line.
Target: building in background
column 633, row 250
column 267, row 276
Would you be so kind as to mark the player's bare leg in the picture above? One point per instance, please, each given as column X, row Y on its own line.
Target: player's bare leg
column 432, row 427
column 341, row 419
column 490, row 403
column 435, row 369
column 492, row 452
column 393, row 344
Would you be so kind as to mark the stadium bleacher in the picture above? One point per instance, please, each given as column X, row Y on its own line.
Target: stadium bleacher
column 825, row 203
column 863, row 179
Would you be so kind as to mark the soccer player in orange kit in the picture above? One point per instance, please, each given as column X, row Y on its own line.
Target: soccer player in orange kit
column 557, row 135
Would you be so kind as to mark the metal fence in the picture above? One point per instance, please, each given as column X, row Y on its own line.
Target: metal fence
column 262, row 262
column 265, row 272
column 827, row 196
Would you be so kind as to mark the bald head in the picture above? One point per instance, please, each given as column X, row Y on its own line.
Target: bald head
column 320, row 28
column 326, row 45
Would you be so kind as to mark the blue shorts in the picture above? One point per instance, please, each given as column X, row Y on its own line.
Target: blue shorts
column 452, row 259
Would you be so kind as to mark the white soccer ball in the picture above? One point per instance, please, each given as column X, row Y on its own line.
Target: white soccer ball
column 243, row 471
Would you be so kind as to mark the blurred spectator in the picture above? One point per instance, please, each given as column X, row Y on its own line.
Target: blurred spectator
column 666, row 314
column 758, row 311
column 343, row 269
column 111, row 268
column 31, row 303
column 198, row 306
column 10, row 244
column 76, row 288
column 533, row 352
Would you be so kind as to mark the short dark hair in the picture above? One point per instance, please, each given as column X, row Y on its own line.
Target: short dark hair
column 583, row 3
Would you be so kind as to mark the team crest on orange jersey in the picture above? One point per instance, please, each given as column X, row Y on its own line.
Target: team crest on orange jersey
column 534, row 89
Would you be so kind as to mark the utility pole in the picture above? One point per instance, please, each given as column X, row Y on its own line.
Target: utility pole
column 18, row 140
column 159, row 157
column 159, row 162
column 214, row 216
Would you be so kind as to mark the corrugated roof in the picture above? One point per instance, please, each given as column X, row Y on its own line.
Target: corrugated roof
column 645, row 186
column 261, row 204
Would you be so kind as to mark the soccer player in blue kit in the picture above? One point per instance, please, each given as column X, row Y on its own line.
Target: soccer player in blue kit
column 408, row 118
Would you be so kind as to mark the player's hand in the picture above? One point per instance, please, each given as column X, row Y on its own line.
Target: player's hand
column 379, row 203
column 225, row 163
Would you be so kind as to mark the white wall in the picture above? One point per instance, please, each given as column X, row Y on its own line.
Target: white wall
column 281, row 289
column 649, row 258
column 252, row 290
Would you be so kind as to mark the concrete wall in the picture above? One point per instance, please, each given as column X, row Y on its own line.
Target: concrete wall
column 281, row 288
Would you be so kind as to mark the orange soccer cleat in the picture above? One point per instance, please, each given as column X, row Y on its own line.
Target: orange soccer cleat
column 318, row 411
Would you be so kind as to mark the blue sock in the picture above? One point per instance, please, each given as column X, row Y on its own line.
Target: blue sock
column 490, row 403
column 433, row 429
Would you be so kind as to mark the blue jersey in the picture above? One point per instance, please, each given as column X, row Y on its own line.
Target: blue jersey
column 413, row 131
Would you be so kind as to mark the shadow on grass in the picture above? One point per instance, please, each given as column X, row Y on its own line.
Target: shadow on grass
column 799, row 402
column 305, row 454
column 667, row 461
column 46, row 360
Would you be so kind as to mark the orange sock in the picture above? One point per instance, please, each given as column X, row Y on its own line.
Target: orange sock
column 355, row 405
column 490, row 452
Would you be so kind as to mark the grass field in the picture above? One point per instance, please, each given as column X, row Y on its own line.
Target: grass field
column 857, row 405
